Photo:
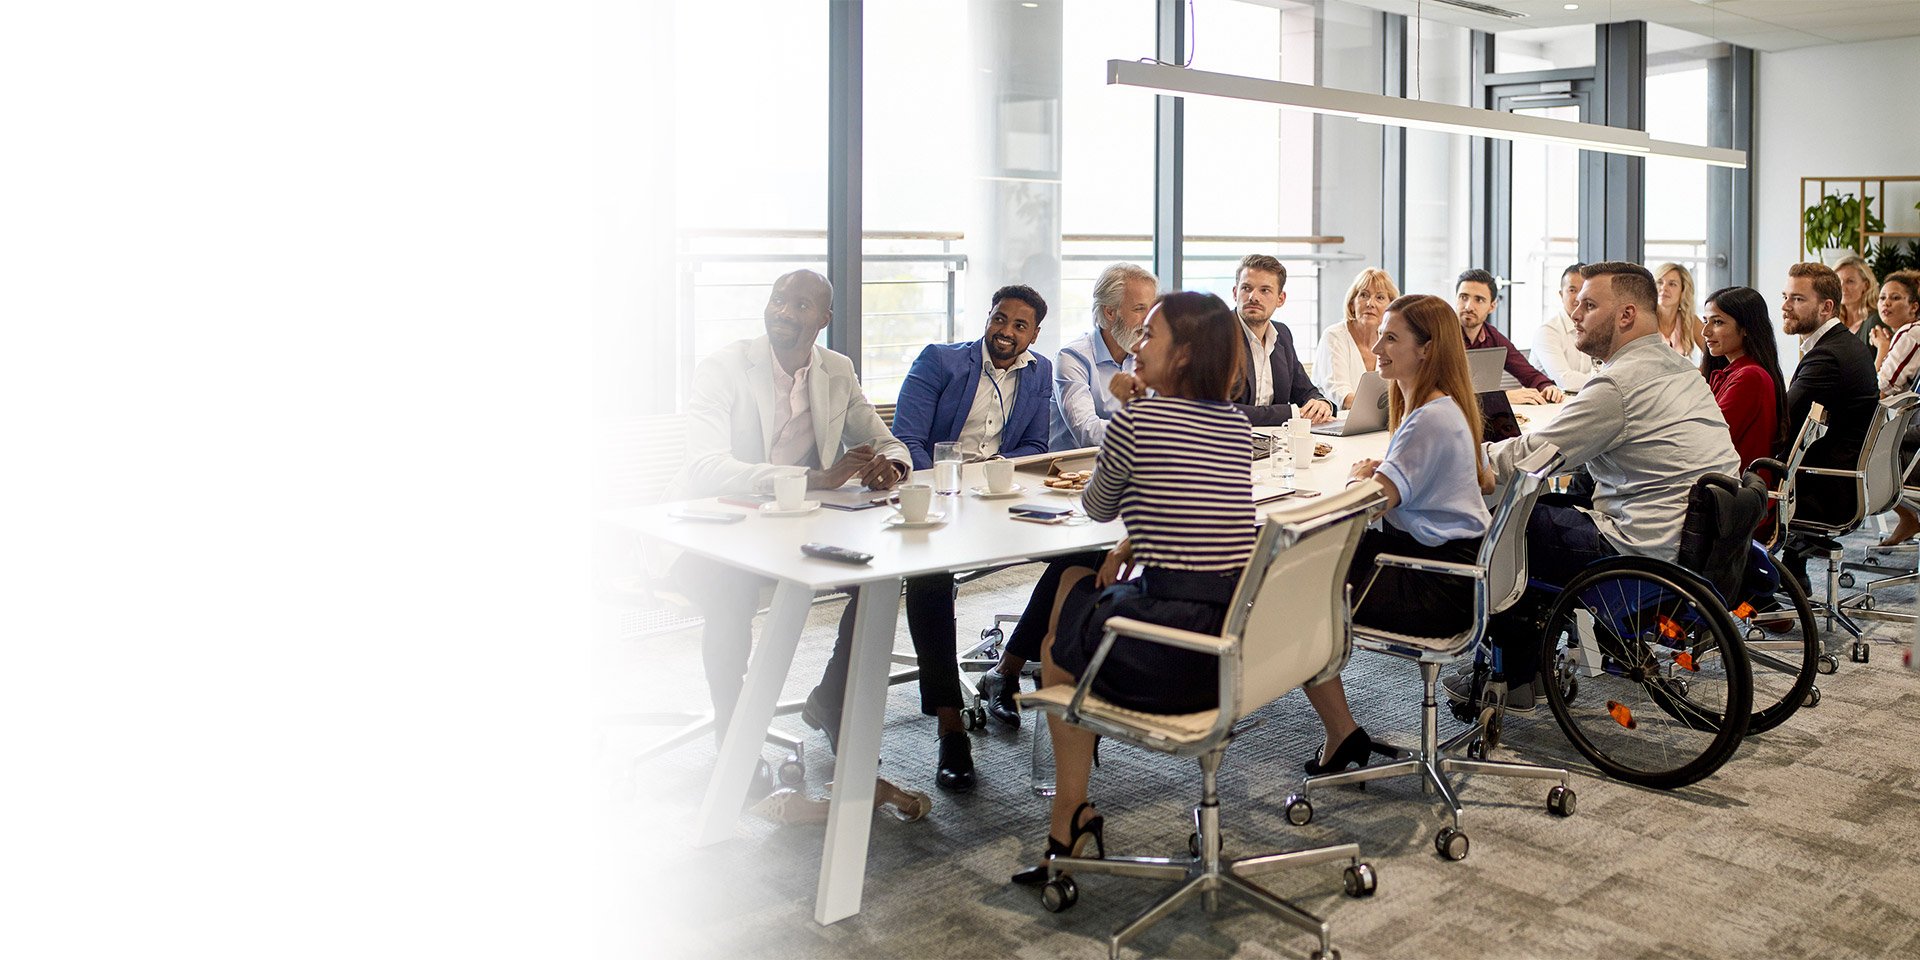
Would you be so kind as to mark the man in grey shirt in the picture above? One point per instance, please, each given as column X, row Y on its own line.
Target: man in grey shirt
column 1646, row 427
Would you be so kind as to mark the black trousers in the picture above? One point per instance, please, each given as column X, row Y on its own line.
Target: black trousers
column 1408, row 601
column 728, row 598
column 1032, row 628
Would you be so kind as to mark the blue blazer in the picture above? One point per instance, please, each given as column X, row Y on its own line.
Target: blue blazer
column 938, row 394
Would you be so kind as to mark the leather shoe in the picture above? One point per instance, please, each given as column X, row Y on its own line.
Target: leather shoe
column 997, row 691
column 956, row 762
column 820, row 718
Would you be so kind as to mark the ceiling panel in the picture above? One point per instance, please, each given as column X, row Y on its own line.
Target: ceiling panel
column 1761, row 24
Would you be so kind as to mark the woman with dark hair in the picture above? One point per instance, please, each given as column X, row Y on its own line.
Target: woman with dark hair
column 1897, row 351
column 1743, row 368
column 1176, row 468
column 1432, row 476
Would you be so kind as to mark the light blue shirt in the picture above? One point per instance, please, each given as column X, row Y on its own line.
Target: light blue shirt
column 1082, row 404
column 1431, row 461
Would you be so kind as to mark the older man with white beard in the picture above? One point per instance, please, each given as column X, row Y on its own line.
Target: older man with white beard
column 1082, row 404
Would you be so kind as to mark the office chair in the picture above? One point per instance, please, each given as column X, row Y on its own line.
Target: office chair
column 1499, row 576
column 1287, row 626
column 1878, row 481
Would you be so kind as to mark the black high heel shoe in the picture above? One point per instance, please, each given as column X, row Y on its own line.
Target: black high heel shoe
column 1094, row 829
column 1352, row 752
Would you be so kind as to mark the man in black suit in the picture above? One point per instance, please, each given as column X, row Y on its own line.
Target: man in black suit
column 1837, row 373
column 1274, row 376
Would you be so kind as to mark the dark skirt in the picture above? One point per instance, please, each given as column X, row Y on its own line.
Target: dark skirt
column 1411, row 602
column 1139, row 674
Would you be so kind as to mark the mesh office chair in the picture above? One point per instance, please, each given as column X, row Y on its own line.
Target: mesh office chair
column 1287, row 626
column 1878, row 479
column 1499, row 576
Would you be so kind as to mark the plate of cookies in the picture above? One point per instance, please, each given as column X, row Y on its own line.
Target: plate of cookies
column 1322, row 450
column 1068, row 482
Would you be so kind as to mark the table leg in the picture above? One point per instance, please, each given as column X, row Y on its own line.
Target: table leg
column 843, row 864
column 766, row 674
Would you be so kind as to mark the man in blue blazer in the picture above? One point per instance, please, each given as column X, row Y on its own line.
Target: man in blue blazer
column 992, row 394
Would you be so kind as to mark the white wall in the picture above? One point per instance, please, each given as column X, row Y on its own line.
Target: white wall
column 1843, row 109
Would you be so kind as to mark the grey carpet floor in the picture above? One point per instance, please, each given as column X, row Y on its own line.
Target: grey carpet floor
column 1802, row 846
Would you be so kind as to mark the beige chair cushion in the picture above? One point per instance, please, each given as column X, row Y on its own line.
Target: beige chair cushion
column 1173, row 728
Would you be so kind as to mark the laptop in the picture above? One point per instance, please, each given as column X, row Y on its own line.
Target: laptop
column 1368, row 413
column 1487, row 364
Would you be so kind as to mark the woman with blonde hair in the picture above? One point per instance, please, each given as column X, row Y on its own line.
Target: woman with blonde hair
column 1432, row 476
column 1858, row 291
column 1680, row 322
column 1346, row 351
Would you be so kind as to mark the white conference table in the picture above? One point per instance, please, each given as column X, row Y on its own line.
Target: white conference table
column 976, row 533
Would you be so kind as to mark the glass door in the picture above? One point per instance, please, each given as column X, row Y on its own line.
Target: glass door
column 1536, row 199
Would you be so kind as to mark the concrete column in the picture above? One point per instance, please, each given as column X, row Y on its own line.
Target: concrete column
column 1013, row 223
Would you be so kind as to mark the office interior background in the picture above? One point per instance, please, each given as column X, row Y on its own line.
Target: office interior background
column 922, row 154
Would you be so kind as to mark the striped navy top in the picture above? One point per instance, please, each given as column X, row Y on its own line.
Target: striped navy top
column 1179, row 474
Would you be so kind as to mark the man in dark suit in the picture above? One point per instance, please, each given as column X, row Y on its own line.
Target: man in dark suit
column 1274, row 376
column 1835, row 371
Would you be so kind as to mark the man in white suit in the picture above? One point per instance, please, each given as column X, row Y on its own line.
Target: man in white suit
column 760, row 408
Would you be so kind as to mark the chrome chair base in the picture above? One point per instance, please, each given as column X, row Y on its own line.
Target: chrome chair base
column 1204, row 873
column 1433, row 761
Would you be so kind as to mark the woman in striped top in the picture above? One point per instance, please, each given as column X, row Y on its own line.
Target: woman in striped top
column 1175, row 467
column 1897, row 352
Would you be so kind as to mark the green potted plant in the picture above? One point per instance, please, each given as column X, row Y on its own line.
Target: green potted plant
column 1833, row 226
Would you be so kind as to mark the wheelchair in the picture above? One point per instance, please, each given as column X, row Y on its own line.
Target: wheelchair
column 1652, row 675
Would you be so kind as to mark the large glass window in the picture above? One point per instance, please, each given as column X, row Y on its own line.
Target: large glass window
column 749, row 169
column 1439, row 205
column 1681, row 99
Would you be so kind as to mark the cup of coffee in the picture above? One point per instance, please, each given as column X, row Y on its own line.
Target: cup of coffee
column 999, row 475
column 915, row 500
column 790, row 491
column 1301, row 430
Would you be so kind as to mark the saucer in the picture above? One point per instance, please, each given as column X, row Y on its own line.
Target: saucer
column 985, row 494
column 934, row 519
column 773, row 509
column 1062, row 492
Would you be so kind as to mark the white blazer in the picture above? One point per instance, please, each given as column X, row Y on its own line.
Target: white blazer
column 1338, row 364
column 729, row 438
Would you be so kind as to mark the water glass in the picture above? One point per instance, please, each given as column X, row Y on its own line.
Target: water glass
column 946, row 467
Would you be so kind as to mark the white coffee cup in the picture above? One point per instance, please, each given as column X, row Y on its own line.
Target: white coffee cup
column 1300, row 429
column 999, row 475
column 915, row 500
column 790, row 491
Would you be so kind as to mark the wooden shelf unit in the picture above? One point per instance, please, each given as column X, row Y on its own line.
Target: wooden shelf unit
column 1879, row 200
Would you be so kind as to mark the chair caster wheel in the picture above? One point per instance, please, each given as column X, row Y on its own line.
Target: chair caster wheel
column 1846, row 580
column 1560, row 801
column 1827, row 664
column 1477, row 750
column 762, row 779
column 1059, row 894
column 1451, row 842
column 1299, row 811
column 974, row 718
column 1193, row 845
column 1327, row 954
column 792, row 772
column 1860, row 652
column 1360, row 879
column 1813, row 697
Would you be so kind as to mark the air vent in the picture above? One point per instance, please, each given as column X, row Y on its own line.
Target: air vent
column 1482, row 8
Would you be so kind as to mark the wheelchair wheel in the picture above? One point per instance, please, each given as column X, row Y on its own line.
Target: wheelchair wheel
column 1783, row 648
column 1665, row 689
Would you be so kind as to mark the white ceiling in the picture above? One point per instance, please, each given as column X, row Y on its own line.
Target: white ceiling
column 1761, row 24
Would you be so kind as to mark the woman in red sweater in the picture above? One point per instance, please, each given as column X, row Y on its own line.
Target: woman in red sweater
column 1743, row 368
